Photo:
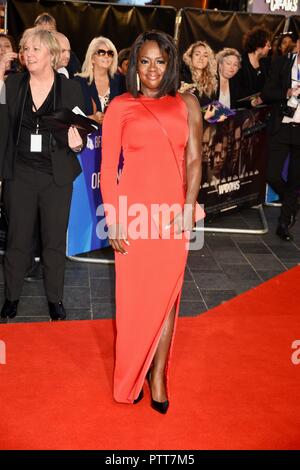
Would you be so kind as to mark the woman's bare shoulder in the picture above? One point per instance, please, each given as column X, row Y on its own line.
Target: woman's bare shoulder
column 191, row 101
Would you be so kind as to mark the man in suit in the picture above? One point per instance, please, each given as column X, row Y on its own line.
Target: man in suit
column 48, row 22
column 282, row 91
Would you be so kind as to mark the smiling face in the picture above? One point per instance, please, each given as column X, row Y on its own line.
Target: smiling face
column 229, row 67
column 151, row 67
column 103, row 57
column 200, row 58
column 36, row 56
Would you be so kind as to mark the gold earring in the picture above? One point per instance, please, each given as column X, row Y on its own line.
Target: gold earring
column 138, row 82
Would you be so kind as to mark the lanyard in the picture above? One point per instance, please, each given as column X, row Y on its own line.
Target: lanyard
column 37, row 119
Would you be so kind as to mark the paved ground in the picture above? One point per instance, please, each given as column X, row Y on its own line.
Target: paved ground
column 226, row 266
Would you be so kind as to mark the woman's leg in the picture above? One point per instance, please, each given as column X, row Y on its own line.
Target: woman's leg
column 21, row 202
column 157, row 377
column 55, row 204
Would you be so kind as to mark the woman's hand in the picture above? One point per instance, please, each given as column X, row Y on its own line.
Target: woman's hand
column 293, row 91
column 5, row 62
column 210, row 112
column 74, row 139
column 184, row 221
column 222, row 118
column 256, row 101
column 117, row 238
column 98, row 117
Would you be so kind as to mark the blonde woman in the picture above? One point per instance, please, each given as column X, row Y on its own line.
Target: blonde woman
column 202, row 65
column 38, row 172
column 98, row 78
column 229, row 63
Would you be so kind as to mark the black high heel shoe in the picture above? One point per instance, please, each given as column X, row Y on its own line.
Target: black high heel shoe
column 139, row 398
column 160, row 406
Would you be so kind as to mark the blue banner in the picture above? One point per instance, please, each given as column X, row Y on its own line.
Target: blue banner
column 271, row 196
column 85, row 214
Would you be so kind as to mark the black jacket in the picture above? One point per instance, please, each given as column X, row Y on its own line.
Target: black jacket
column 117, row 87
column 68, row 94
column 74, row 66
column 276, row 87
column 235, row 92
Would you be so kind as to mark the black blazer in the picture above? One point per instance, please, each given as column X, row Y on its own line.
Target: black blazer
column 247, row 76
column 117, row 87
column 276, row 87
column 234, row 90
column 65, row 164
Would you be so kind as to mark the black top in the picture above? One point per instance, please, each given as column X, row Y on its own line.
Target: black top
column 68, row 94
column 276, row 87
column 31, row 119
column 252, row 80
column 74, row 65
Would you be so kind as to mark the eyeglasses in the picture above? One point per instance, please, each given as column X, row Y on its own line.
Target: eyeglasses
column 103, row 52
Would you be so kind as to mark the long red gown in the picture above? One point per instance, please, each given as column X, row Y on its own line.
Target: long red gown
column 149, row 278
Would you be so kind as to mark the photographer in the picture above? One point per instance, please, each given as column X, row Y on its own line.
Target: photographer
column 8, row 57
column 282, row 91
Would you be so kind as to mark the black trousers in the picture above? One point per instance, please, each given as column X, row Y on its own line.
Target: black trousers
column 29, row 193
column 285, row 142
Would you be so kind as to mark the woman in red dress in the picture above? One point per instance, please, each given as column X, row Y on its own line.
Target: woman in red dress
column 160, row 134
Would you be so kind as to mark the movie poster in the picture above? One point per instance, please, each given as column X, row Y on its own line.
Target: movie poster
column 234, row 161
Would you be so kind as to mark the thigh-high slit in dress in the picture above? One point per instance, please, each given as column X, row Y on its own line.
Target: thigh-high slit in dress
column 149, row 278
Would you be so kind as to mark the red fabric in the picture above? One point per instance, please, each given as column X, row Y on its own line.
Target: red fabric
column 149, row 278
column 233, row 383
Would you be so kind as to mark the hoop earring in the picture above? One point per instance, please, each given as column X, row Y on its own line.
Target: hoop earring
column 138, row 82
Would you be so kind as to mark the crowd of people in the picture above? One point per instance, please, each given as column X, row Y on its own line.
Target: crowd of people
column 151, row 105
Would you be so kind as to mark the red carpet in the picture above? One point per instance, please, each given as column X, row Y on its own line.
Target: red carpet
column 233, row 383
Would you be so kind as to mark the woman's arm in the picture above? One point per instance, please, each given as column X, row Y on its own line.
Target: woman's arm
column 5, row 62
column 193, row 157
column 111, row 149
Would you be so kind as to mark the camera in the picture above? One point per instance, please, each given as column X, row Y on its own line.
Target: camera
column 290, row 107
column 288, row 111
column 14, row 66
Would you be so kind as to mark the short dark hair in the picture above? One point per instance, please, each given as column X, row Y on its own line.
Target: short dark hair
column 281, row 37
column 255, row 38
column 170, row 82
column 11, row 40
column 123, row 55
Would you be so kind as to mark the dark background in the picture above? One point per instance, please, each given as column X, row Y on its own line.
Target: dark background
column 81, row 22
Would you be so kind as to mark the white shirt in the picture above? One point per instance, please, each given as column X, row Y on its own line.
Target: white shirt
column 104, row 100
column 63, row 71
column 2, row 92
column 225, row 98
